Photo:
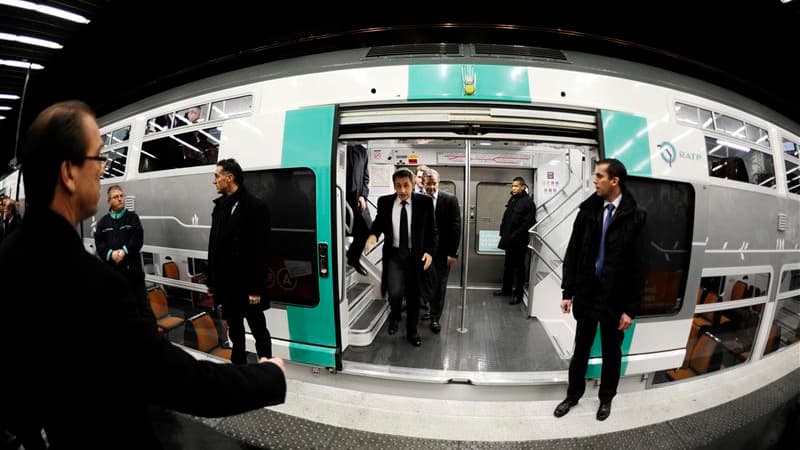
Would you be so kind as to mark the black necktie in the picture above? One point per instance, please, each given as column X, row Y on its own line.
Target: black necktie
column 403, row 250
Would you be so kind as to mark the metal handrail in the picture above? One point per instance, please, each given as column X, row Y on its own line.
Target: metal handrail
column 543, row 206
column 538, row 222
column 552, row 270
column 567, row 215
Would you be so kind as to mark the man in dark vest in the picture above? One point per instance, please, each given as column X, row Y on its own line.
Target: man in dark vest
column 602, row 280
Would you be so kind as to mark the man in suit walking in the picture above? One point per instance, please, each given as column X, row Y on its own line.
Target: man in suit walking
column 357, row 194
column 448, row 224
column 602, row 280
column 408, row 222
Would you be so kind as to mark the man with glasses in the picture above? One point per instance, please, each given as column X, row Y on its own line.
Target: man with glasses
column 118, row 240
column 88, row 366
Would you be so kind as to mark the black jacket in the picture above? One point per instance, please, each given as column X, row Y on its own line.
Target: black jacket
column 9, row 225
column 448, row 225
column 619, row 286
column 357, row 172
column 519, row 217
column 238, row 250
column 423, row 236
column 125, row 233
column 85, row 363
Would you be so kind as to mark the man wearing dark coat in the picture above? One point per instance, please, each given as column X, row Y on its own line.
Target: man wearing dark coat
column 518, row 218
column 118, row 240
column 357, row 194
column 88, row 366
column 407, row 221
column 238, row 260
column 602, row 280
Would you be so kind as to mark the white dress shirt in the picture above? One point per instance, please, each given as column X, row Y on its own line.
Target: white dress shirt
column 396, row 222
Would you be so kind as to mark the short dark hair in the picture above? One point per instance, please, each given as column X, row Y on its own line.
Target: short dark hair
column 520, row 179
column 114, row 187
column 56, row 135
column 404, row 172
column 232, row 167
column 615, row 169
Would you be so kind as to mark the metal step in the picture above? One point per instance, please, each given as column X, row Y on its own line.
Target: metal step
column 366, row 326
column 358, row 299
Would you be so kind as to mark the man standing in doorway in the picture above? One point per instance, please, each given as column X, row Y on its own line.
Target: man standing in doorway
column 238, row 259
column 357, row 193
column 419, row 180
column 519, row 217
column 448, row 224
column 602, row 280
column 118, row 240
column 408, row 222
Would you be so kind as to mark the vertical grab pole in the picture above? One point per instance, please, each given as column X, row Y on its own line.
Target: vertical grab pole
column 465, row 238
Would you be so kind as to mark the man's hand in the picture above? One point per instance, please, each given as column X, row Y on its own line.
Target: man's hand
column 566, row 305
column 254, row 299
column 372, row 240
column 624, row 322
column 362, row 203
column 428, row 260
column 451, row 261
column 277, row 361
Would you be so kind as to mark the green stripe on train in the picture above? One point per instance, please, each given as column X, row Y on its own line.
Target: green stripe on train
column 308, row 142
column 597, row 351
column 625, row 138
column 447, row 82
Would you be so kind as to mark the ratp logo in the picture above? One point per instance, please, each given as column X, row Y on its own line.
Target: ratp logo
column 668, row 153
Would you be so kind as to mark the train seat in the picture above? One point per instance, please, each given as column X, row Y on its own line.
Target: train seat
column 207, row 338
column 158, row 303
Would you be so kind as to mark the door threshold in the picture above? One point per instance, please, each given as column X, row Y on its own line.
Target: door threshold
column 437, row 376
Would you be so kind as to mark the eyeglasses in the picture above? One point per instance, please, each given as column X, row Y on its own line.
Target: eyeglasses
column 102, row 158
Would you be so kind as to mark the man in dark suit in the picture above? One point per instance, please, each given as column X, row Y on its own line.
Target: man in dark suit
column 448, row 224
column 357, row 194
column 408, row 222
column 238, row 260
column 87, row 364
column 11, row 219
column 519, row 217
column 603, row 280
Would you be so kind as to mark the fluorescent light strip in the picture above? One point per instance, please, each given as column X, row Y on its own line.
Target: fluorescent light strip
column 5, row 108
column 49, row 10
column 9, row 97
column 20, row 64
column 30, row 40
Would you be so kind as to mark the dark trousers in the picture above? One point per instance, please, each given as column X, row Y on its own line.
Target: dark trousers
column 258, row 328
column 442, row 273
column 514, row 270
column 402, row 281
column 359, row 231
column 611, row 339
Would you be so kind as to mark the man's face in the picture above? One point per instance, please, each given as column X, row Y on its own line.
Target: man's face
column 193, row 115
column 604, row 186
column 403, row 187
column 517, row 187
column 116, row 200
column 420, row 179
column 222, row 180
column 432, row 185
column 87, row 184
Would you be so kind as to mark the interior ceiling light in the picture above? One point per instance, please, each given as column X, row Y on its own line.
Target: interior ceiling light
column 20, row 64
column 49, row 10
column 5, row 108
column 9, row 97
column 30, row 40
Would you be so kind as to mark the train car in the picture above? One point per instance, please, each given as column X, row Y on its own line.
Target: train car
column 718, row 175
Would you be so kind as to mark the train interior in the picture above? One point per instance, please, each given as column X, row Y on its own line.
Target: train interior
column 482, row 335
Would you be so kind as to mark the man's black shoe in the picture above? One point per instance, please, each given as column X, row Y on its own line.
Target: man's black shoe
column 515, row 301
column 604, row 410
column 415, row 340
column 358, row 267
column 501, row 294
column 435, row 326
column 564, row 407
column 392, row 326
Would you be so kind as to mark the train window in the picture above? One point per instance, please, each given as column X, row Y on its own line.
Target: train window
column 729, row 125
column 726, row 288
column 785, row 328
column 117, row 159
column 120, row 135
column 790, row 148
column 694, row 116
column 709, row 120
column 790, row 281
column 159, row 123
column 190, row 116
column 106, row 138
column 291, row 196
column 668, row 237
column 739, row 163
column 231, row 107
column 792, row 176
column 193, row 148
column 757, row 135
